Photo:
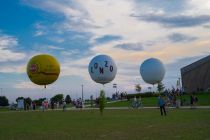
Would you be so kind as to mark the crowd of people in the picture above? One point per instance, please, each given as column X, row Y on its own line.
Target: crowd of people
column 173, row 98
column 193, row 101
column 169, row 98
column 45, row 105
column 78, row 103
column 119, row 96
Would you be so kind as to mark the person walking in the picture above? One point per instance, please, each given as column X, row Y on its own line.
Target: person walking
column 161, row 104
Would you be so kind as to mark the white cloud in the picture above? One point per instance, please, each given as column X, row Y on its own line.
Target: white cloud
column 13, row 68
column 39, row 29
column 198, row 7
column 54, row 47
column 108, row 17
column 39, row 33
column 76, row 67
column 70, row 52
column 57, row 39
column 27, row 85
column 7, row 43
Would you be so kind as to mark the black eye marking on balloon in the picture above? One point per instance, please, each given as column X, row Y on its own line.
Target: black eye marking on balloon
column 101, row 70
column 96, row 65
column 91, row 69
column 111, row 68
column 106, row 63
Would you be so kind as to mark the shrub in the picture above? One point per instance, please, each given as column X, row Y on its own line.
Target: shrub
column 102, row 101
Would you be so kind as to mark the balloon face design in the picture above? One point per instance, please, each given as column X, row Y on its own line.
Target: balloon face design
column 43, row 69
column 152, row 71
column 102, row 69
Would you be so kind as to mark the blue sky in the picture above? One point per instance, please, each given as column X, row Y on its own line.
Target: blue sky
column 130, row 31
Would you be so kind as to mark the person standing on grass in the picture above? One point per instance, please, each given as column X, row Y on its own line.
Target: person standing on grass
column 195, row 101
column 140, row 104
column 34, row 106
column 134, row 103
column 191, row 101
column 42, row 107
column 52, row 105
column 161, row 104
column 64, row 106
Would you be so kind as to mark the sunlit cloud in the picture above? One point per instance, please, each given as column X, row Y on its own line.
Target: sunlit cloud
column 7, row 47
column 27, row 85
column 129, row 31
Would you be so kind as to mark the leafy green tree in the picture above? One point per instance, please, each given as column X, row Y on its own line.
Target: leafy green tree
column 19, row 98
column 68, row 99
column 28, row 100
column 160, row 87
column 138, row 88
column 102, row 101
column 39, row 101
column 4, row 101
column 57, row 98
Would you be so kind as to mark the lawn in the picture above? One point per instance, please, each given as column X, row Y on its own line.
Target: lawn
column 203, row 100
column 3, row 108
column 115, row 124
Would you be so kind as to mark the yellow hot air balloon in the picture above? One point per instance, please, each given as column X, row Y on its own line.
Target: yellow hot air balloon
column 43, row 69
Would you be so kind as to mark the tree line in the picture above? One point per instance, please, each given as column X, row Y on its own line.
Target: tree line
column 59, row 98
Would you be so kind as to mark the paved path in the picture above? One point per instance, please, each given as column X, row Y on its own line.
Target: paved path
column 153, row 107
column 107, row 108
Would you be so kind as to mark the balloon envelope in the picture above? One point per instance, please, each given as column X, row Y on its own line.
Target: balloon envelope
column 43, row 69
column 152, row 71
column 102, row 69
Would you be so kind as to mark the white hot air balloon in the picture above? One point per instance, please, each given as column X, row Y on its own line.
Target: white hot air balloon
column 102, row 69
column 152, row 71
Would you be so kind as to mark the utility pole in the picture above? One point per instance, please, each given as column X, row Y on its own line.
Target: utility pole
column 1, row 91
column 82, row 94
column 82, row 97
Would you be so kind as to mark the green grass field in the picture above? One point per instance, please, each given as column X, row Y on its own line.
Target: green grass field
column 192, row 124
column 3, row 109
column 203, row 100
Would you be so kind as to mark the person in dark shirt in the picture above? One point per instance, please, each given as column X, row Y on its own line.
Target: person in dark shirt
column 161, row 104
column 34, row 106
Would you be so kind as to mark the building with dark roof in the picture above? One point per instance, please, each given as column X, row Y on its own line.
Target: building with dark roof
column 196, row 76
